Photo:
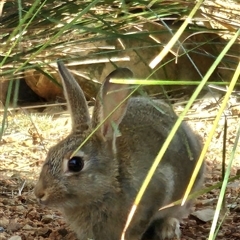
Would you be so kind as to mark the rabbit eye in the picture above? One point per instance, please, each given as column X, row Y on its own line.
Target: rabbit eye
column 75, row 164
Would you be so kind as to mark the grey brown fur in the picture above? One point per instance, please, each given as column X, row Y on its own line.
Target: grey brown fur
column 96, row 201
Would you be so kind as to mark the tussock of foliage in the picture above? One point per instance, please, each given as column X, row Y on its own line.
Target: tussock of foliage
column 34, row 33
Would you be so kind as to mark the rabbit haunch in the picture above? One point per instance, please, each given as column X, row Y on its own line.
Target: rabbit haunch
column 96, row 195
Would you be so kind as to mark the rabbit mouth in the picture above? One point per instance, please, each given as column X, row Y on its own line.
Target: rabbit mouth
column 57, row 202
column 50, row 203
column 44, row 201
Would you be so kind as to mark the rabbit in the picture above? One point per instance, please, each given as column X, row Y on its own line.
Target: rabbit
column 95, row 186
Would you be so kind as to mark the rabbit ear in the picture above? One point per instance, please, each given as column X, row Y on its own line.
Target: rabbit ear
column 110, row 96
column 75, row 100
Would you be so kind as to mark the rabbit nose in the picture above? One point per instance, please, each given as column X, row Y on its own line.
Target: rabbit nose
column 39, row 192
column 41, row 197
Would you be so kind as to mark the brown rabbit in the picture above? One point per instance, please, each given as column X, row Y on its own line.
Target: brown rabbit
column 95, row 188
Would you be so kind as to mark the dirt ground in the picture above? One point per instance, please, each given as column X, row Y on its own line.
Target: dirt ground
column 23, row 149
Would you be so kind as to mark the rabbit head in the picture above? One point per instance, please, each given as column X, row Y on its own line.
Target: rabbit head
column 91, row 172
column 94, row 174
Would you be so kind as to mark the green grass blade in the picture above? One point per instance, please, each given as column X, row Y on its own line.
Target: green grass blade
column 19, row 29
column 176, row 36
column 232, row 84
column 212, row 236
column 59, row 33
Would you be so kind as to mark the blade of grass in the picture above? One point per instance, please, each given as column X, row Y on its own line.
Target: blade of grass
column 9, row 91
column 176, row 36
column 212, row 236
column 163, row 82
column 231, row 86
column 19, row 27
column 202, row 191
column 59, row 33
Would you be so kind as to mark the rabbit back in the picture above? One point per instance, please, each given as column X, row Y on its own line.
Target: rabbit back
column 144, row 129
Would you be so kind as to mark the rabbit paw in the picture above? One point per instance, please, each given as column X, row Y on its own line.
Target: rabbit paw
column 170, row 229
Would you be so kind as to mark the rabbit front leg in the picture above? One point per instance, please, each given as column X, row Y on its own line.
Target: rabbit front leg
column 163, row 229
column 160, row 229
column 170, row 228
column 140, row 223
column 166, row 223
